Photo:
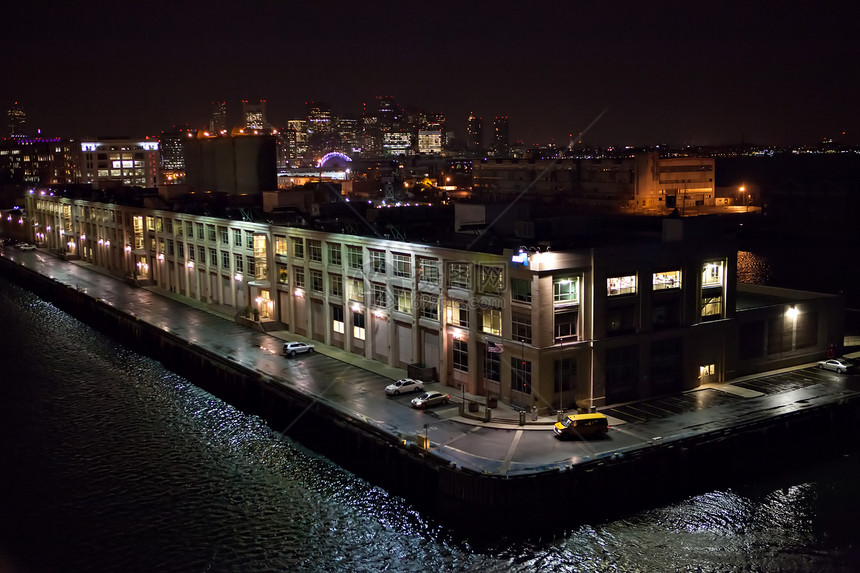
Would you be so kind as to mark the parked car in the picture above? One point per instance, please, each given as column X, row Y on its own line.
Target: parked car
column 582, row 426
column 293, row 348
column 836, row 364
column 405, row 385
column 26, row 247
column 430, row 399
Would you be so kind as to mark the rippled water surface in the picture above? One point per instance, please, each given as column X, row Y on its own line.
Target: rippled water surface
column 112, row 463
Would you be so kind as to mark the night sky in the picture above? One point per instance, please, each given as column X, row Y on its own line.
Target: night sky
column 701, row 73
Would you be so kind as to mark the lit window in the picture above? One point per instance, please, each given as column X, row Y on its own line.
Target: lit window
column 402, row 300
column 457, row 312
column 564, row 290
column 666, row 280
column 491, row 321
column 621, row 285
column 337, row 324
column 356, row 290
column 712, row 307
column 358, row 331
column 712, row 273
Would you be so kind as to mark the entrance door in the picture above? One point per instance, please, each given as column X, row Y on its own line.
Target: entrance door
column 707, row 374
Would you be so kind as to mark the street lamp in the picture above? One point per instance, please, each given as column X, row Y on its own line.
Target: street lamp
column 742, row 191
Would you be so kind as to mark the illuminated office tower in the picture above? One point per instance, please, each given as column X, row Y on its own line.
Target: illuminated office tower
column 254, row 114
column 501, row 136
column 475, row 133
column 218, row 122
column 17, row 121
column 319, row 116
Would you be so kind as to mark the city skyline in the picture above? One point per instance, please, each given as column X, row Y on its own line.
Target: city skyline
column 675, row 74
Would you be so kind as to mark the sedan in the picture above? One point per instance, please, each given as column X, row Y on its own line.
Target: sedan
column 430, row 399
column 405, row 385
column 836, row 364
column 26, row 247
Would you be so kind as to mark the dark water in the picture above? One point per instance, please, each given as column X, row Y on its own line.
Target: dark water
column 112, row 463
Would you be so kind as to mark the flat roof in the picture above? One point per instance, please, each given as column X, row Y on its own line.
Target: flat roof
column 749, row 296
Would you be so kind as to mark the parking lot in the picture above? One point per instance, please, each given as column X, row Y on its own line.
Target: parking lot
column 694, row 400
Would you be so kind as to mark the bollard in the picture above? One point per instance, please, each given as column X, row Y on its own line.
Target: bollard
column 488, row 415
column 534, row 414
column 522, row 417
column 559, row 416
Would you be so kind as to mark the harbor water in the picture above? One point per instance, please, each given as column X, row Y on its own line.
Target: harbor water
column 112, row 463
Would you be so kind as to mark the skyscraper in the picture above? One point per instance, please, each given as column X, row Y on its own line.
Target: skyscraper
column 218, row 122
column 475, row 133
column 319, row 116
column 17, row 121
column 171, row 144
column 254, row 115
column 501, row 136
column 387, row 112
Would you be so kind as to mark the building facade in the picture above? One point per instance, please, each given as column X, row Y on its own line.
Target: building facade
column 645, row 183
column 39, row 161
column 119, row 163
column 539, row 329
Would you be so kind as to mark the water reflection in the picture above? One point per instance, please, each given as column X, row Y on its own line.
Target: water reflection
column 754, row 268
column 125, row 466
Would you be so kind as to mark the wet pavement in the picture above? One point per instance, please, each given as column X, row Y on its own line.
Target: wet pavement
column 353, row 384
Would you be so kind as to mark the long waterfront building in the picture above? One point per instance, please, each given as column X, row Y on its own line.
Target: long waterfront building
column 545, row 327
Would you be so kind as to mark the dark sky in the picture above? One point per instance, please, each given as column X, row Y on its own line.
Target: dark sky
column 669, row 72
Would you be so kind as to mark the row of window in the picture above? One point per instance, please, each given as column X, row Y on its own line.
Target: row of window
column 204, row 232
column 489, row 277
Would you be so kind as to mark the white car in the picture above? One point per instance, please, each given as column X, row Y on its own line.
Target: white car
column 405, row 385
column 293, row 348
column 26, row 247
column 836, row 364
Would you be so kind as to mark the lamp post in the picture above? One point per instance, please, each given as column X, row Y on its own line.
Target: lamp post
column 744, row 197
